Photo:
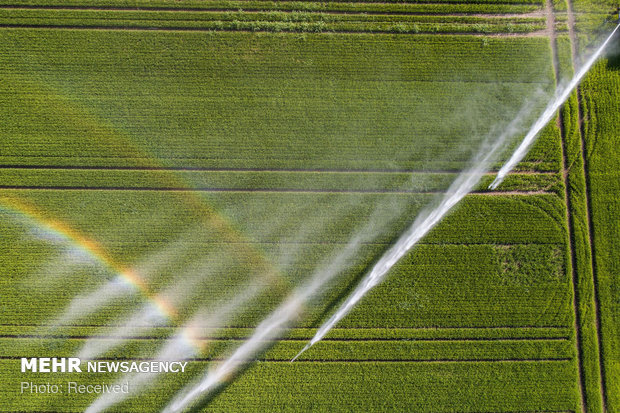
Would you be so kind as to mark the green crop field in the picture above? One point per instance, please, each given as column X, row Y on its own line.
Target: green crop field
column 164, row 163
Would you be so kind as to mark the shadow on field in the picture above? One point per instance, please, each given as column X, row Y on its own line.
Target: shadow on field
column 613, row 56
column 203, row 403
column 613, row 61
column 346, row 290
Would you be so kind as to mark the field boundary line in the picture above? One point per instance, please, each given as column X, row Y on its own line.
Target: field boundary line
column 517, row 411
column 491, row 16
column 499, row 16
column 337, row 242
column 567, row 204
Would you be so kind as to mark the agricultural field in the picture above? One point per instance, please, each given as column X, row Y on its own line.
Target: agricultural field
column 172, row 171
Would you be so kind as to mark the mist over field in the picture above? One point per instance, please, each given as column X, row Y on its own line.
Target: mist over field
column 405, row 198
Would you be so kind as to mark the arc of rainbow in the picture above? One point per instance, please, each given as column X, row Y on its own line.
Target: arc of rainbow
column 91, row 119
column 36, row 218
column 191, row 333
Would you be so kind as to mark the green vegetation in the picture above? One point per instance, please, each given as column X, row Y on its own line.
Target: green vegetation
column 580, row 238
column 275, row 21
column 592, row 6
column 600, row 101
column 359, row 350
column 252, row 158
column 244, row 81
column 486, row 386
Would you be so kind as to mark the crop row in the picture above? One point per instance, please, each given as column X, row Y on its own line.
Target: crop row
column 266, row 101
column 284, row 350
column 594, row 28
column 111, row 17
column 595, row 6
column 581, row 265
column 559, row 6
column 198, row 4
column 479, row 218
column 594, row 21
column 268, row 26
column 235, row 56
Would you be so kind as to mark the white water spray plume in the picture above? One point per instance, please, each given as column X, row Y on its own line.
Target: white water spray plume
column 279, row 320
column 176, row 349
column 425, row 221
column 462, row 185
column 205, row 322
column 548, row 114
column 270, row 328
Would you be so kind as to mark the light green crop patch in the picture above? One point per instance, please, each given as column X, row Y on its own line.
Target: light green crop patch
column 531, row 264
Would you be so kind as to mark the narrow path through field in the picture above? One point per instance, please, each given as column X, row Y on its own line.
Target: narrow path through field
column 569, row 223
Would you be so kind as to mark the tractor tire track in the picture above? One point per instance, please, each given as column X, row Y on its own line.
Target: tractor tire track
column 588, row 202
column 568, row 217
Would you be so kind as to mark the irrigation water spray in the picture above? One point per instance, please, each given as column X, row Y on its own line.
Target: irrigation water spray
column 426, row 220
column 462, row 185
column 206, row 322
column 280, row 319
column 176, row 349
column 546, row 116
column 270, row 328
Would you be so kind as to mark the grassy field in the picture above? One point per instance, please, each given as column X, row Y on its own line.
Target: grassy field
column 213, row 147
